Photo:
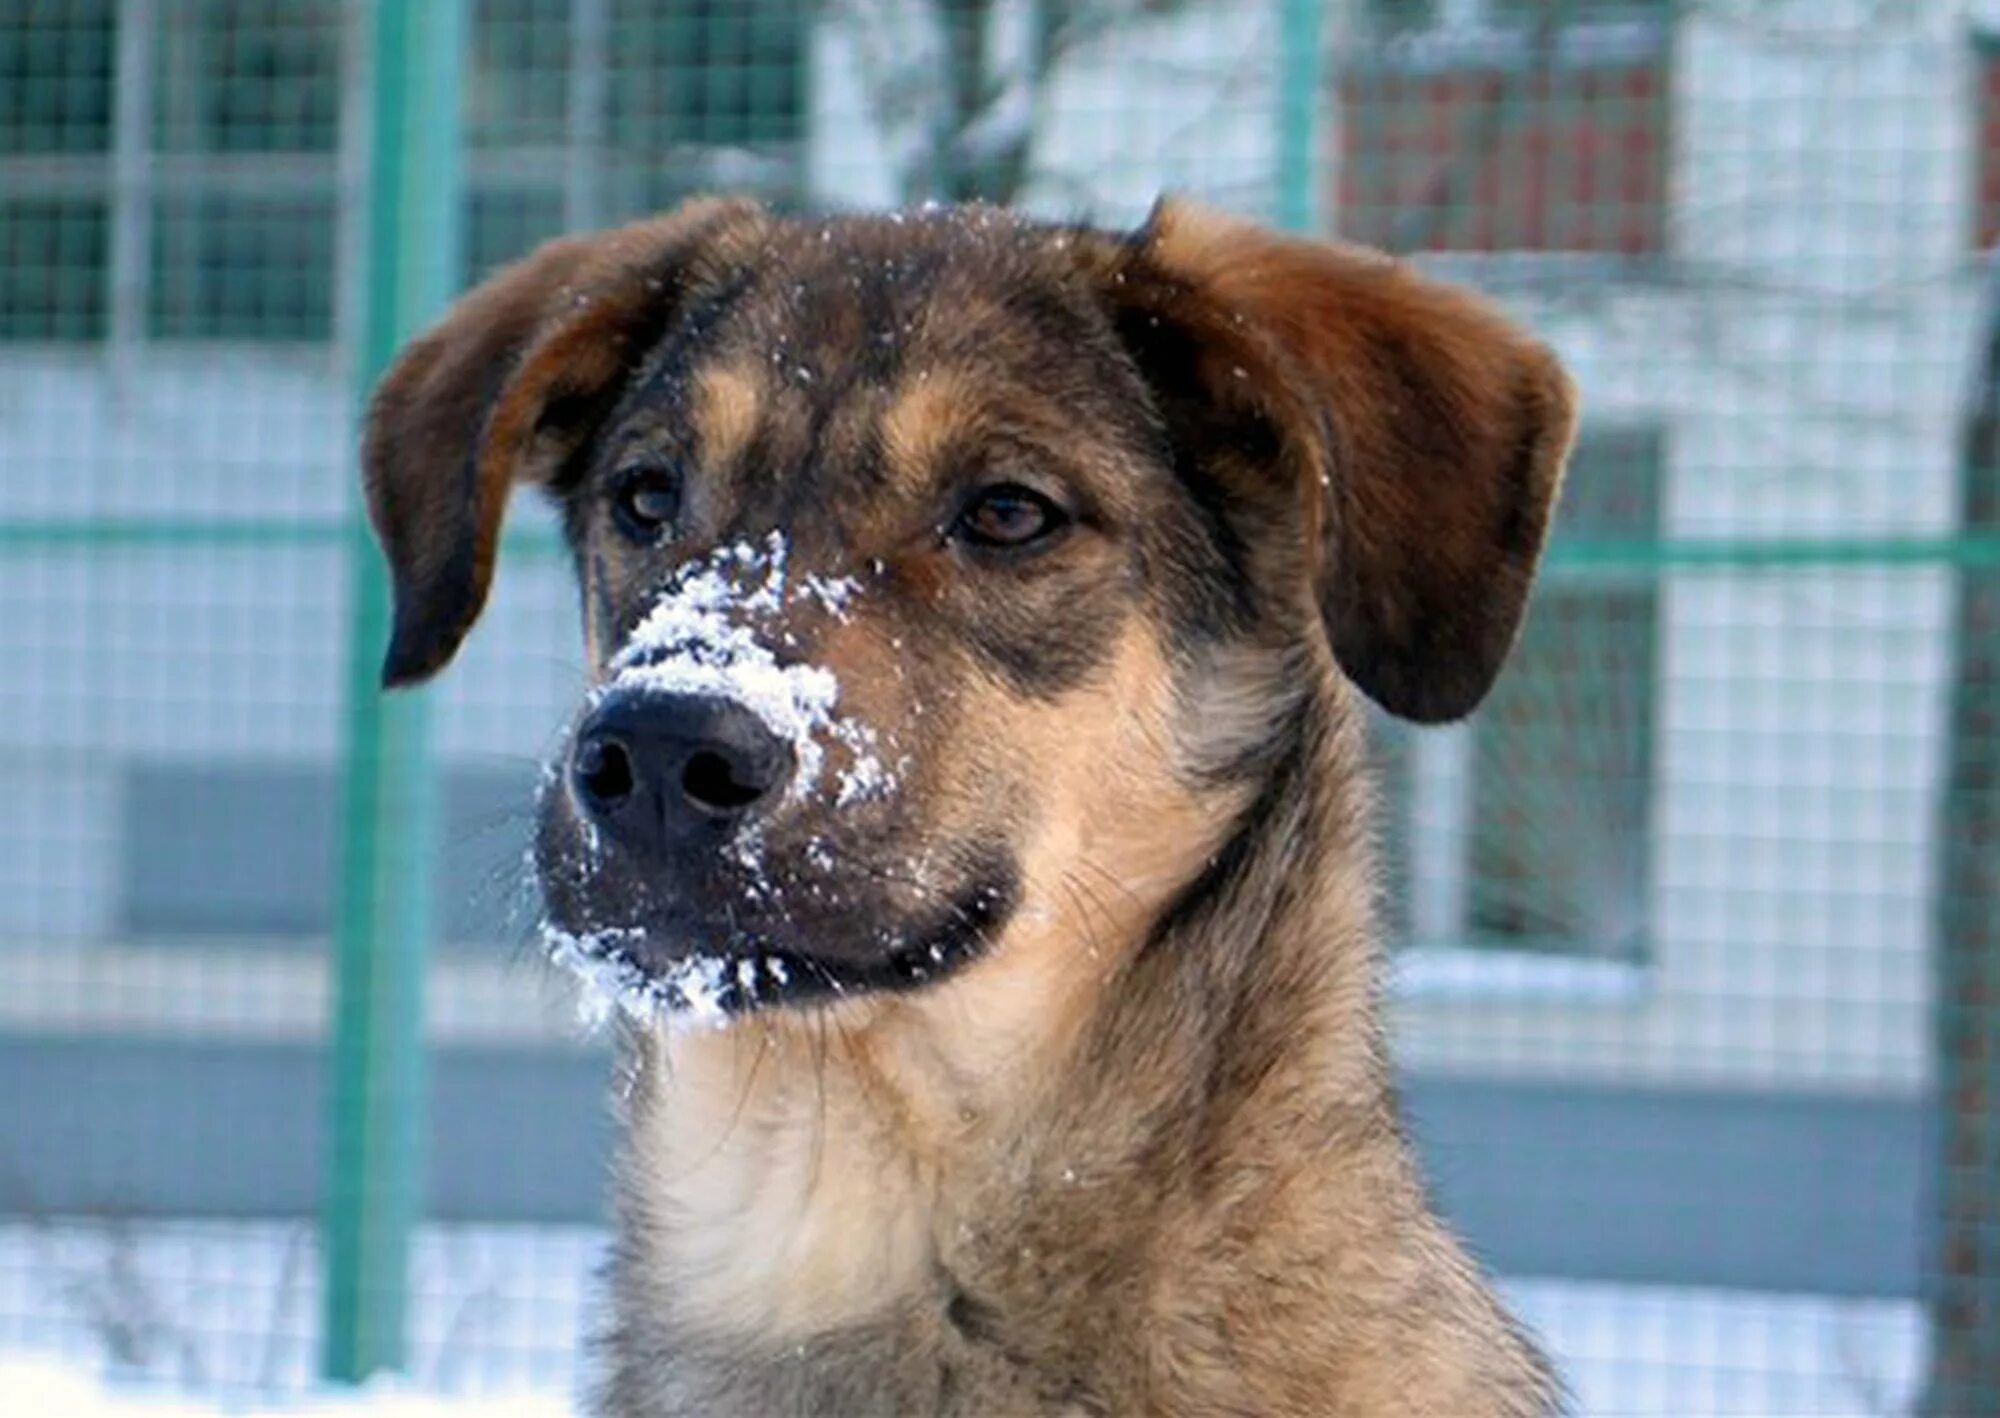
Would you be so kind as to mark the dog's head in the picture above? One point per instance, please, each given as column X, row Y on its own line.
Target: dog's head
column 947, row 573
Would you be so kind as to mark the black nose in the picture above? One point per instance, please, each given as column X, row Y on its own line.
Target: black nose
column 659, row 769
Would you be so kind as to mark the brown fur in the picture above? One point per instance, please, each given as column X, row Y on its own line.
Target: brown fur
column 1132, row 1148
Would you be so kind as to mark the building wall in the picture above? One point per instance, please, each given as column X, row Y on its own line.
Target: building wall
column 1805, row 345
column 1805, row 348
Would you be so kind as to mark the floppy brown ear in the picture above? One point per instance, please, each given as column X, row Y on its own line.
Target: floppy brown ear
column 1426, row 434
column 501, row 391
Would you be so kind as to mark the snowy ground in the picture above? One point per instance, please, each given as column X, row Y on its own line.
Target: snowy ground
column 156, row 1319
column 230, row 1308
column 31, row 1388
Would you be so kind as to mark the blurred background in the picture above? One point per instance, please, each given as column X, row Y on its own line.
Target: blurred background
column 1696, row 990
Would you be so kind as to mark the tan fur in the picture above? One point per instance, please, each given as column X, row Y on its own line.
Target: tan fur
column 932, row 411
column 726, row 411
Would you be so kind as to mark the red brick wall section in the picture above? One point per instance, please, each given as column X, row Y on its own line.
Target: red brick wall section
column 1491, row 160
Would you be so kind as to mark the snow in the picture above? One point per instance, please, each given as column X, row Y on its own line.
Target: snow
column 866, row 778
column 156, row 1318
column 39, row 1389
column 686, row 991
column 702, row 636
column 832, row 592
column 227, row 1313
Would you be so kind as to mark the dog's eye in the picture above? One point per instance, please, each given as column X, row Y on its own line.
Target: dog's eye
column 1008, row 516
column 646, row 502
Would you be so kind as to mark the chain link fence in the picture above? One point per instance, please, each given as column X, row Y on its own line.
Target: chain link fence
column 1696, row 988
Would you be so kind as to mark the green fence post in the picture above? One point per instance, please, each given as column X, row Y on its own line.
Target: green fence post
column 1298, row 114
column 1964, row 1264
column 411, row 248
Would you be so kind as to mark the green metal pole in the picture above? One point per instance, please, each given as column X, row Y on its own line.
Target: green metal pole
column 388, row 826
column 1298, row 114
column 1964, row 1269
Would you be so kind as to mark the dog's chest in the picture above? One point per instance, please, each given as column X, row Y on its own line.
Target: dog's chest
column 784, row 1251
column 771, row 1207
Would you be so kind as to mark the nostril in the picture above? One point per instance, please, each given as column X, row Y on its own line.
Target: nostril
column 604, row 771
column 712, row 781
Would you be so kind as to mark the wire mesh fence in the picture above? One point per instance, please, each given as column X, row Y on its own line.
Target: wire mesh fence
column 1696, row 990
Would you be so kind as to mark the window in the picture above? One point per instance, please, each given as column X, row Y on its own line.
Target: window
column 1528, row 828
column 177, row 178
column 56, row 68
column 1562, row 751
column 1506, row 125
column 246, row 124
column 231, row 849
column 172, row 180
column 590, row 111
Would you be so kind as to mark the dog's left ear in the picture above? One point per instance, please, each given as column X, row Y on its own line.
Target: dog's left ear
column 1424, row 433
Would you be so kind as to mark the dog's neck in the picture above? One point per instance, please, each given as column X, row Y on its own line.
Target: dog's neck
column 788, row 1175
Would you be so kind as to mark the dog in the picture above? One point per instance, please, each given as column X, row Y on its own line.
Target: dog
column 968, row 809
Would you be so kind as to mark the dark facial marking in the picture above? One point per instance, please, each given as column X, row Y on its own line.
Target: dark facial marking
column 1211, row 581
column 1045, row 650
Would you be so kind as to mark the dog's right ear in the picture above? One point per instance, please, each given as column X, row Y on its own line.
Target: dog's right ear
column 504, row 390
